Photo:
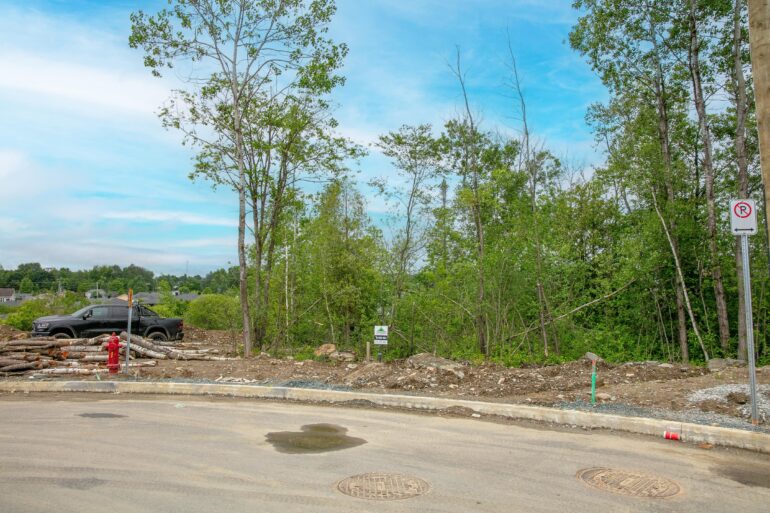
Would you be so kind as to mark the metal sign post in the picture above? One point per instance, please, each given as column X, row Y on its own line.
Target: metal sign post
column 380, row 339
column 743, row 222
column 130, row 315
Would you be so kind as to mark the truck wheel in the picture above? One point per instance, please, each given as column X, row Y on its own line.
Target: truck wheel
column 157, row 335
column 62, row 335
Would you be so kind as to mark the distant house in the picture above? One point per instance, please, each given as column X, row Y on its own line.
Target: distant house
column 7, row 295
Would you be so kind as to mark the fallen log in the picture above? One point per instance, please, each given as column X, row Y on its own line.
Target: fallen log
column 143, row 342
column 94, row 358
column 82, row 349
column 24, row 366
column 70, row 370
column 27, row 348
column 6, row 362
column 142, row 351
column 26, row 342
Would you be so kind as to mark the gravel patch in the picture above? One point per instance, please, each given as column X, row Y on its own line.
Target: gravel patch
column 729, row 393
column 314, row 385
column 692, row 416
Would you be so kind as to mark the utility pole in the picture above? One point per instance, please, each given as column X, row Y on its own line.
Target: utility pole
column 759, row 40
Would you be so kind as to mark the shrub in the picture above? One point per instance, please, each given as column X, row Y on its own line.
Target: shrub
column 23, row 315
column 214, row 312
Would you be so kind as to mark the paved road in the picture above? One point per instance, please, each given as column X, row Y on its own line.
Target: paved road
column 192, row 455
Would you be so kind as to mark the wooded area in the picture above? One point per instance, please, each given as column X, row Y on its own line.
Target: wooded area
column 496, row 248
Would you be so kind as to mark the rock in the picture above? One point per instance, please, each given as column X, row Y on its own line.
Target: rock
column 591, row 356
column 427, row 360
column 352, row 366
column 342, row 356
column 603, row 396
column 630, row 374
column 738, row 397
column 501, row 381
column 325, row 350
column 475, row 415
column 666, row 366
column 718, row 364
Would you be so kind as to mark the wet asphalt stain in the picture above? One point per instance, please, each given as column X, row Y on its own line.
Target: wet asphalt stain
column 101, row 415
column 749, row 475
column 313, row 439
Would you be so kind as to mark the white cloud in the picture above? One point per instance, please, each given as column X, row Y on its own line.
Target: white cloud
column 165, row 216
column 69, row 81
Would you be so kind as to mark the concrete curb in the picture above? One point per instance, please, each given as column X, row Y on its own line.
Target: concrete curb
column 726, row 437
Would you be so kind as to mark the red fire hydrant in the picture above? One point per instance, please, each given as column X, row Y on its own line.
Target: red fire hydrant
column 113, row 354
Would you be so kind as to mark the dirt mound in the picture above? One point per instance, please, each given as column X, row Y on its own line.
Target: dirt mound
column 641, row 384
column 10, row 333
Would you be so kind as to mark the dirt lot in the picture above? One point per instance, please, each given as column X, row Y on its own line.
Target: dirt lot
column 635, row 384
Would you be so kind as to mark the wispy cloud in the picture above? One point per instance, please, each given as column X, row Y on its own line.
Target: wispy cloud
column 166, row 216
column 80, row 141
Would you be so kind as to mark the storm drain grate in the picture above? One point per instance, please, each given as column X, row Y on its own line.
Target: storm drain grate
column 380, row 486
column 633, row 484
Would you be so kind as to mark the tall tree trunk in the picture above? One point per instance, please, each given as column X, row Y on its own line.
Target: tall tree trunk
column 472, row 164
column 741, row 109
column 678, row 266
column 663, row 135
column 708, row 169
column 243, row 283
column 759, row 37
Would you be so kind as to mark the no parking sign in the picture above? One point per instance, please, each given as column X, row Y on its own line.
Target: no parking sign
column 743, row 217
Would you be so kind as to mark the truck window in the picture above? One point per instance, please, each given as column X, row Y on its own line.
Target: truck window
column 100, row 312
column 119, row 312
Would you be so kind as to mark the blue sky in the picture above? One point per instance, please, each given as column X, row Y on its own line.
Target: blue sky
column 89, row 177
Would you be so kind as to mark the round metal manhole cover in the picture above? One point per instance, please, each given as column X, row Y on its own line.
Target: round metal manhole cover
column 633, row 484
column 379, row 486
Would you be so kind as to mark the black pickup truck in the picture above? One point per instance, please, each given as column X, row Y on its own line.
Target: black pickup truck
column 96, row 320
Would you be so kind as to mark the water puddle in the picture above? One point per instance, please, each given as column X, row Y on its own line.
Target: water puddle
column 101, row 415
column 314, row 438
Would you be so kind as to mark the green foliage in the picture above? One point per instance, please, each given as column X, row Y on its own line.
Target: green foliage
column 214, row 312
column 27, row 312
column 22, row 316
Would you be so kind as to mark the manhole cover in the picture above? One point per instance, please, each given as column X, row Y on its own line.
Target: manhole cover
column 634, row 484
column 379, row 486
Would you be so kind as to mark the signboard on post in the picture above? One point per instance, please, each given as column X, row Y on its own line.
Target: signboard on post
column 743, row 222
column 381, row 335
column 743, row 217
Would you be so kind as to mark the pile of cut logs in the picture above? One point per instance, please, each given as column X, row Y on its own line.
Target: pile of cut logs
column 84, row 356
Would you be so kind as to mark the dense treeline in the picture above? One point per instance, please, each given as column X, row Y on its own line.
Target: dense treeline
column 32, row 278
column 499, row 249
column 496, row 248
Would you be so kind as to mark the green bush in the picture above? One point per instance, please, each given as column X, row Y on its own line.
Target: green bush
column 22, row 316
column 214, row 312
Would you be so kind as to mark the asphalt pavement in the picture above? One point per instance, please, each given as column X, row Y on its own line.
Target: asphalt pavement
column 83, row 453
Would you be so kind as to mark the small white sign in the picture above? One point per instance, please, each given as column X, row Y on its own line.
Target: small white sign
column 381, row 335
column 743, row 217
